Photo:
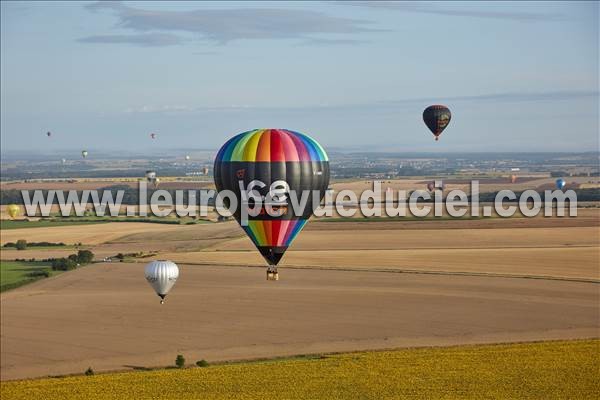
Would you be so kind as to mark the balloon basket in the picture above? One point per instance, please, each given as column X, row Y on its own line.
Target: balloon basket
column 272, row 274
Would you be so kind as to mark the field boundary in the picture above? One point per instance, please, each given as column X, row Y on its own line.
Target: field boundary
column 311, row 356
column 404, row 271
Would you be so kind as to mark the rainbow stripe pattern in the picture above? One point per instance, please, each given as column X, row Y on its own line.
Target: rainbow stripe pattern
column 274, row 233
column 269, row 155
column 271, row 145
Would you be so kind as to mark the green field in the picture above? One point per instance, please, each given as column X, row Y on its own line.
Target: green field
column 546, row 370
column 6, row 224
column 17, row 273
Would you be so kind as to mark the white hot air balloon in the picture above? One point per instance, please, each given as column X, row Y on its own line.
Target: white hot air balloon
column 187, row 157
column 162, row 275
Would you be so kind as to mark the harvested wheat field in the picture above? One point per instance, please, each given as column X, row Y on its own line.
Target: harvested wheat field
column 495, row 246
column 568, row 263
column 86, row 234
column 97, row 315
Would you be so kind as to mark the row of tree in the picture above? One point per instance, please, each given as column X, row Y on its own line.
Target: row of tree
column 22, row 244
column 73, row 261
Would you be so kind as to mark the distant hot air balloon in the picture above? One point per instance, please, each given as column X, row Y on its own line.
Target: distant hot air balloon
column 151, row 177
column 153, row 135
column 437, row 118
column 156, row 182
column 187, row 157
column 13, row 210
column 48, row 133
column 162, row 275
column 284, row 161
column 513, row 179
column 84, row 153
column 431, row 186
column 63, row 161
column 204, row 171
column 560, row 184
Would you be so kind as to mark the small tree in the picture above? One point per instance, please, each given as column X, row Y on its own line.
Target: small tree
column 89, row 371
column 63, row 264
column 85, row 256
column 21, row 244
column 202, row 363
column 180, row 361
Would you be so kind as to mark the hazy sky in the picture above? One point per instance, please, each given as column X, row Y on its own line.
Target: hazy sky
column 517, row 76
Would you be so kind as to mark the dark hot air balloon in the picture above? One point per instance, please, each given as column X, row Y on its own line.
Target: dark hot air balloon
column 48, row 134
column 560, row 184
column 431, row 186
column 283, row 161
column 437, row 118
column 153, row 135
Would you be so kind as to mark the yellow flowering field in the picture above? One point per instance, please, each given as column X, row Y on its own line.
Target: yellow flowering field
column 546, row 370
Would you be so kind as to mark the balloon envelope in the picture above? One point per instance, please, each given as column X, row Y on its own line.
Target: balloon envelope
column 283, row 161
column 150, row 175
column 84, row 153
column 560, row 183
column 13, row 210
column 48, row 134
column 161, row 275
column 431, row 186
column 437, row 118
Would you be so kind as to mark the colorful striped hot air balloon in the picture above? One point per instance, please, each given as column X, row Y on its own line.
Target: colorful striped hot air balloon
column 280, row 158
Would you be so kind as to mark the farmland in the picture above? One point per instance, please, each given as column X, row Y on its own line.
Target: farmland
column 14, row 274
column 550, row 370
column 8, row 224
column 346, row 285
